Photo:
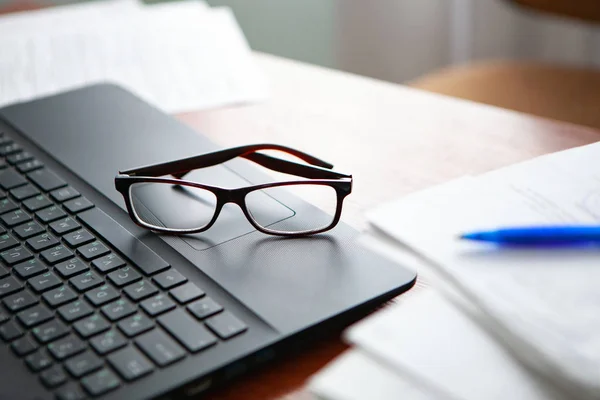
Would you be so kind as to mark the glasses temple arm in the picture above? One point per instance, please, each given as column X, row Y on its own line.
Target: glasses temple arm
column 292, row 168
column 180, row 168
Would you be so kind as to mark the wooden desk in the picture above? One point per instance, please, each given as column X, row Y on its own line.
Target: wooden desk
column 393, row 139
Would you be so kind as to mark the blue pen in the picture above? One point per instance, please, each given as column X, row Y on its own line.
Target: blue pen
column 532, row 235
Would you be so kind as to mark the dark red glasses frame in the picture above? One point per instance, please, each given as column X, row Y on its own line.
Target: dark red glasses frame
column 319, row 173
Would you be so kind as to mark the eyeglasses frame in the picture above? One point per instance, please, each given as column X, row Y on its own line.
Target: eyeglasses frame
column 319, row 173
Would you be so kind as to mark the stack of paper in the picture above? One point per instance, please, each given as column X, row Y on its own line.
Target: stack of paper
column 426, row 350
column 180, row 56
column 518, row 322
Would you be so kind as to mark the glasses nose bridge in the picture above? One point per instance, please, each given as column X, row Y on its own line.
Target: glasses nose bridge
column 234, row 196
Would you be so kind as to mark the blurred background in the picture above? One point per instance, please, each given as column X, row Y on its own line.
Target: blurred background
column 399, row 40
column 534, row 56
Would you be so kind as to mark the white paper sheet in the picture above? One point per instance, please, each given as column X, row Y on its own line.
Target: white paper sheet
column 356, row 376
column 429, row 342
column 543, row 303
column 79, row 14
column 178, row 56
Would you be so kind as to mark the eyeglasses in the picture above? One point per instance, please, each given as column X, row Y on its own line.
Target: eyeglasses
column 174, row 205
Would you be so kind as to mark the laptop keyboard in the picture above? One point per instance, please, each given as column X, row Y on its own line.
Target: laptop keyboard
column 82, row 309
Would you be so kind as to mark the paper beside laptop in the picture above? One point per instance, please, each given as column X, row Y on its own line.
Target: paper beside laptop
column 437, row 348
column 180, row 56
column 356, row 375
column 542, row 303
column 533, row 313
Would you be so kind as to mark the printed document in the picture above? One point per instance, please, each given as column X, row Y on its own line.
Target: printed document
column 542, row 303
column 180, row 56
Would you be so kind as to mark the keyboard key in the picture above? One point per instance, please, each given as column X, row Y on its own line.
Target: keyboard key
column 71, row 391
column 66, row 347
column 226, row 325
column 92, row 250
column 2, row 194
column 4, row 272
column 7, row 205
column 35, row 316
column 130, row 363
column 127, row 244
column 86, row 281
column 29, row 166
column 10, row 179
column 50, row 214
column 43, row 282
column 186, row 293
column 140, row 290
column 19, row 301
column 14, row 218
column 91, row 325
column 4, row 139
column 10, row 331
column 205, row 308
column 7, row 241
column 108, row 341
column 78, row 205
column 100, row 382
column 158, row 305
column 71, row 267
column 9, row 285
column 160, row 348
column 83, row 364
column 75, row 310
column 169, row 279
column 102, row 295
column 9, row 148
column 38, row 361
column 118, row 309
column 56, row 254
column 42, row 242
column 53, row 377
column 28, row 230
column 36, row 203
column 46, row 179
column 124, row 276
column 29, row 268
column 59, row 296
column 79, row 237
column 108, row 263
column 189, row 332
column 19, row 158
column 24, row 346
column 64, row 194
column 63, row 226
column 50, row 331
column 15, row 255
column 135, row 325
column 24, row 192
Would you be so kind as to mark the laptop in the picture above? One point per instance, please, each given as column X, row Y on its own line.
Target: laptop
column 94, row 306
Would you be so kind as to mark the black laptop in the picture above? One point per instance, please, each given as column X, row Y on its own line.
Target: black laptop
column 93, row 305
